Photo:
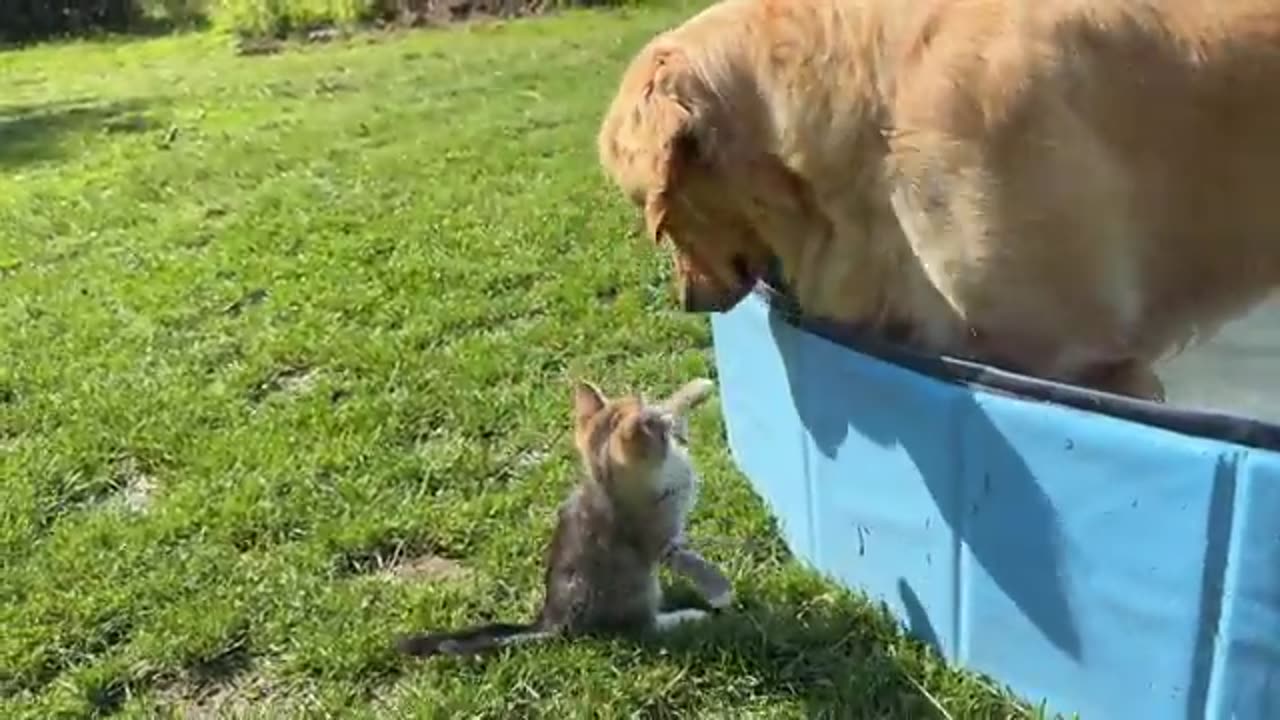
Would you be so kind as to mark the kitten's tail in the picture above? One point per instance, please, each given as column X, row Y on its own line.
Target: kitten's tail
column 472, row 641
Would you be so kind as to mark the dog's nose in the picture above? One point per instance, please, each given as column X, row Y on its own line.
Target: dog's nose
column 687, row 299
column 699, row 299
column 693, row 299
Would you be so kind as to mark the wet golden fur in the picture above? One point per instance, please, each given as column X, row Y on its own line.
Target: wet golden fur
column 1071, row 189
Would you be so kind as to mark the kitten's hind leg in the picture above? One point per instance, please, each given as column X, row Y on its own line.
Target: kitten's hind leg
column 674, row 618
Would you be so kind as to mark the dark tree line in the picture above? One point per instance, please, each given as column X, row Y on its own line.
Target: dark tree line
column 22, row 20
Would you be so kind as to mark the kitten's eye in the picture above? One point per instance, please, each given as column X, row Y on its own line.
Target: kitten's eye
column 656, row 425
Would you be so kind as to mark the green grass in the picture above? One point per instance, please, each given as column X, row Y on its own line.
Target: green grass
column 272, row 323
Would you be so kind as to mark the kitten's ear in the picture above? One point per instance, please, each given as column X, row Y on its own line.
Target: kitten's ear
column 656, row 425
column 587, row 401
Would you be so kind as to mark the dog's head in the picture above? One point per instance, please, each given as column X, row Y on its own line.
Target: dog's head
column 673, row 142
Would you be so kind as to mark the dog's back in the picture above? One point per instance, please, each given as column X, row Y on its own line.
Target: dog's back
column 1128, row 154
column 1064, row 188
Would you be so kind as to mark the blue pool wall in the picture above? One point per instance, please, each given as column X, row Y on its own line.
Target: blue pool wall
column 1103, row 565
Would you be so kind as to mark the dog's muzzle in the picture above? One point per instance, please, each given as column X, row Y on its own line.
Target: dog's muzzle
column 695, row 299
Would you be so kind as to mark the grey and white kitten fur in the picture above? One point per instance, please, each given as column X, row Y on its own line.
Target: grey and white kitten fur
column 623, row 520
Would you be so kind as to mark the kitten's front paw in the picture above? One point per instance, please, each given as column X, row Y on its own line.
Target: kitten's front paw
column 721, row 601
column 700, row 388
column 691, row 395
column 676, row 618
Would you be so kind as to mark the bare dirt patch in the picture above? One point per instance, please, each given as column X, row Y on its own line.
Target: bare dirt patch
column 231, row 685
column 139, row 487
column 250, row 695
column 426, row 568
column 289, row 380
column 400, row 560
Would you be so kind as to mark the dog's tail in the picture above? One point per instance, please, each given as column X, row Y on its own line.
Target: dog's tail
column 474, row 640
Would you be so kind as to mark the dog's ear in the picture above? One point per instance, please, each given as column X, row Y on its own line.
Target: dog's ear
column 655, row 214
column 678, row 120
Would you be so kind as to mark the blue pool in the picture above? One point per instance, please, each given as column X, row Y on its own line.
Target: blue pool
column 1114, row 558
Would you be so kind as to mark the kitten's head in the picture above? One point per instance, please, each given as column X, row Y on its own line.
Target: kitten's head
column 632, row 447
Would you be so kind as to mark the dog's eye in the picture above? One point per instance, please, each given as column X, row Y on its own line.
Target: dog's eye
column 688, row 147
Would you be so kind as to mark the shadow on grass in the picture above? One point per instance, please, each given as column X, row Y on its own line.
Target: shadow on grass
column 203, row 680
column 830, row 660
column 39, row 132
column 837, row 657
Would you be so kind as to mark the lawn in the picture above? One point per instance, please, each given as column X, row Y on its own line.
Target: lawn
column 284, row 359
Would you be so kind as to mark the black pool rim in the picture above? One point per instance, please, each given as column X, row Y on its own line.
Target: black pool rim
column 1224, row 427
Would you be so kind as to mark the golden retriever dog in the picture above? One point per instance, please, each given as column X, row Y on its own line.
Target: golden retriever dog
column 1071, row 189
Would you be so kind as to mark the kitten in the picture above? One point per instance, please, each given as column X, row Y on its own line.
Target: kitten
column 624, row 519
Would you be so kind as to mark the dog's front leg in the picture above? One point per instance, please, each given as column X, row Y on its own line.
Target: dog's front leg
column 1132, row 378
